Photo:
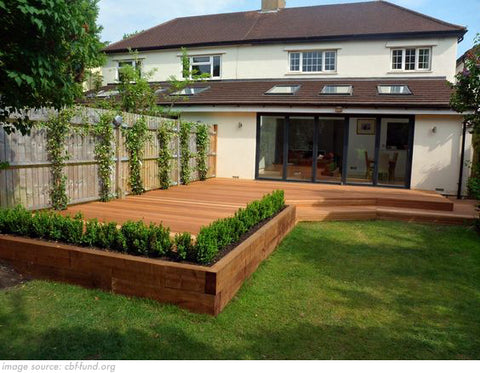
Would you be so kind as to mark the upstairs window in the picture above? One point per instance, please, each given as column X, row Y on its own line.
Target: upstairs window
column 411, row 59
column 136, row 64
column 210, row 65
column 313, row 61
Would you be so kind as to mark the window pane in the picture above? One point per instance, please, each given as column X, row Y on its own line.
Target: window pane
column 283, row 90
column 337, row 90
column 294, row 61
column 125, row 63
column 312, row 61
column 397, row 59
column 301, row 134
column 201, row 69
column 330, row 61
column 410, row 59
column 270, row 162
column 200, row 59
column 216, row 67
column 424, row 59
column 394, row 90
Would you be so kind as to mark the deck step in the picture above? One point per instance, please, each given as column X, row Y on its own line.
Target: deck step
column 334, row 202
column 352, row 213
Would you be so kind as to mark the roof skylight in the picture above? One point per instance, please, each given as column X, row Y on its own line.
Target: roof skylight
column 105, row 94
column 283, row 90
column 190, row 91
column 345, row 90
column 394, row 90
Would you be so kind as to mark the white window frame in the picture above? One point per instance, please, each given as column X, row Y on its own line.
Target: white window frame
column 210, row 62
column 417, row 59
column 302, row 52
column 135, row 64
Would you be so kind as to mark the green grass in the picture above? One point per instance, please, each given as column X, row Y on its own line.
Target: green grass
column 366, row 290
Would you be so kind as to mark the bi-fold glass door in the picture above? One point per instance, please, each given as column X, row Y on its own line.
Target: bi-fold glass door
column 352, row 150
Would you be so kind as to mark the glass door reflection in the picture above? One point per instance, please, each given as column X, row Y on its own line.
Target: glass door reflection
column 301, row 134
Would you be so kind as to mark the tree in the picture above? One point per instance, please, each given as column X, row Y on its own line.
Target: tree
column 131, row 34
column 45, row 48
column 466, row 100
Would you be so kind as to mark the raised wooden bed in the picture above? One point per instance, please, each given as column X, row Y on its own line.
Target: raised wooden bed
column 199, row 289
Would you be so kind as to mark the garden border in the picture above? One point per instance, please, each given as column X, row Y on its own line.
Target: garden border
column 194, row 287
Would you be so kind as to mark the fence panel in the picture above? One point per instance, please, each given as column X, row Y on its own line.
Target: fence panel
column 26, row 180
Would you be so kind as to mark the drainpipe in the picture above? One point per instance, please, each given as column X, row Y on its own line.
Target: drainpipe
column 462, row 161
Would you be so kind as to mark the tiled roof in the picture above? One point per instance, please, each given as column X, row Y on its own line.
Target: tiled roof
column 426, row 93
column 326, row 22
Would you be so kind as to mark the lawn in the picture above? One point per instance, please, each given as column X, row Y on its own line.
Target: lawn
column 365, row 290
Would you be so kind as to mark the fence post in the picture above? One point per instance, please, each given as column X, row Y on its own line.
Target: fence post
column 179, row 153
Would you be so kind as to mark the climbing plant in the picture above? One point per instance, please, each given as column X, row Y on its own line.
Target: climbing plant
column 57, row 130
column 202, row 137
column 104, row 153
column 165, row 156
column 185, row 153
column 135, row 140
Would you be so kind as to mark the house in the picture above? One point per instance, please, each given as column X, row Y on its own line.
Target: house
column 347, row 94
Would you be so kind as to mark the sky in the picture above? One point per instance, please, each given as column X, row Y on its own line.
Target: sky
column 125, row 16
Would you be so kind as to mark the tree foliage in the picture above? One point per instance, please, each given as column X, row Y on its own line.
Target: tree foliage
column 466, row 100
column 45, row 48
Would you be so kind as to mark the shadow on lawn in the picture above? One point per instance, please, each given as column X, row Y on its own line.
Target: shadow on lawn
column 302, row 341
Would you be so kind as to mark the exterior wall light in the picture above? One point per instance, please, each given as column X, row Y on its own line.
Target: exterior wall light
column 434, row 129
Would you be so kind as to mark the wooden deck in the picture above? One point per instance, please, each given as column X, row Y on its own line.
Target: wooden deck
column 188, row 208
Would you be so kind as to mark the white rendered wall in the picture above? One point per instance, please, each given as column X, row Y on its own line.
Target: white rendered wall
column 355, row 59
column 436, row 155
column 236, row 146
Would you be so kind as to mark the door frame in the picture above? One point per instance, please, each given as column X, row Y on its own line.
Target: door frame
column 378, row 125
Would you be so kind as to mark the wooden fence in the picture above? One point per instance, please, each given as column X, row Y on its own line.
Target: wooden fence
column 26, row 181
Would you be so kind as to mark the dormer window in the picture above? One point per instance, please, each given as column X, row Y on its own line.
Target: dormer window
column 394, row 90
column 313, row 62
column 283, row 90
column 210, row 65
column 411, row 59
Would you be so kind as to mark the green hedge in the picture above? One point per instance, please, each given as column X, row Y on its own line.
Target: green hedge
column 137, row 238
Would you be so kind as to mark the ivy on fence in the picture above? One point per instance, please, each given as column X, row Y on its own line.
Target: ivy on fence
column 57, row 130
column 202, row 140
column 104, row 153
column 185, row 153
column 135, row 139
column 165, row 156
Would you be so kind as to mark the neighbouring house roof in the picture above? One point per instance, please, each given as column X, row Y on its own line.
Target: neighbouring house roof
column 462, row 59
column 372, row 19
column 426, row 93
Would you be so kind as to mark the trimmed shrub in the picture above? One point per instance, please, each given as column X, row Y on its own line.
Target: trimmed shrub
column 225, row 232
column 185, row 250
column 136, row 238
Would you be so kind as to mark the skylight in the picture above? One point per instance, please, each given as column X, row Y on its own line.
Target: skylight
column 190, row 91
column 160, row 90
column 394, row 90
column 283, row 90
column 345, row 90
column 105, row 94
